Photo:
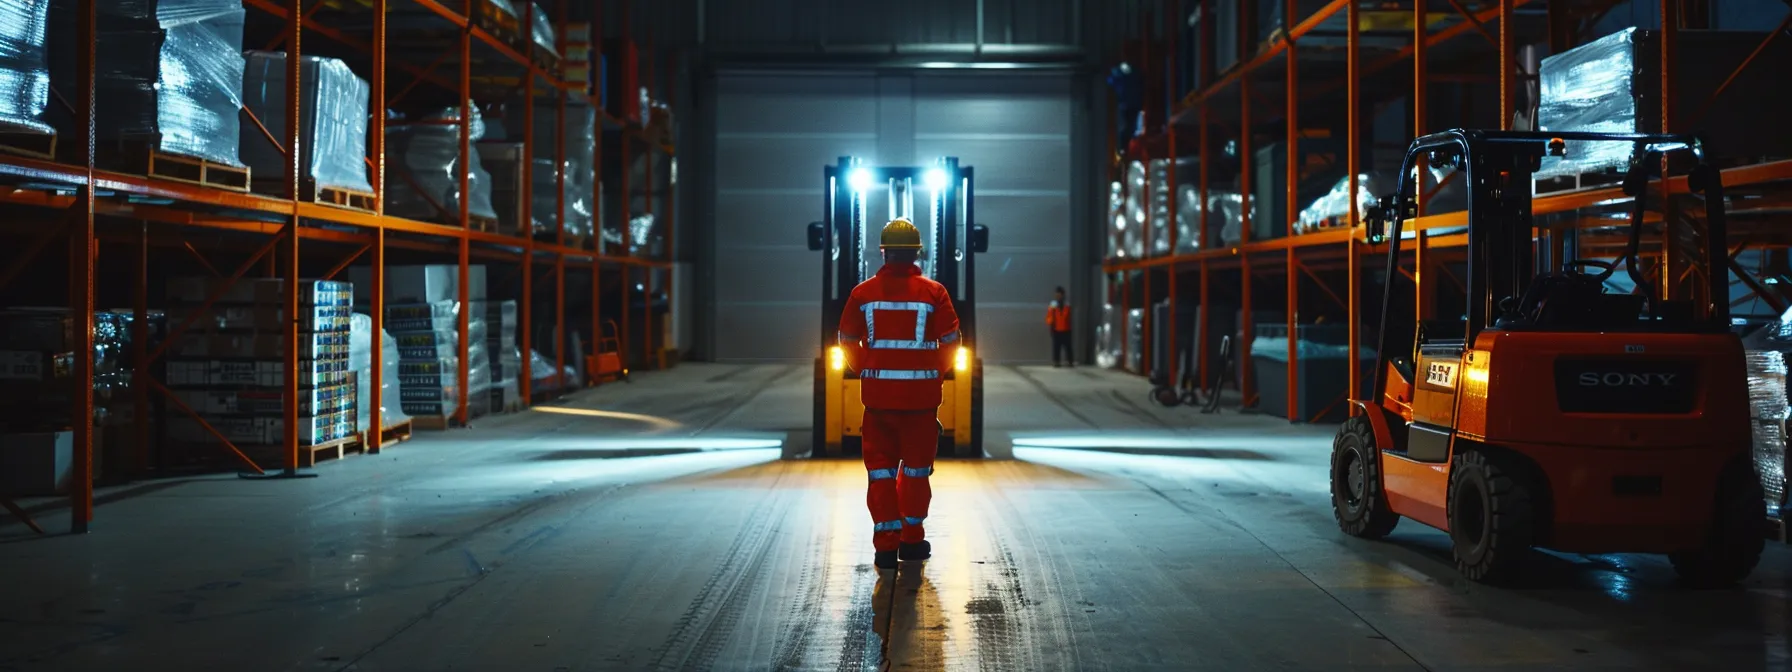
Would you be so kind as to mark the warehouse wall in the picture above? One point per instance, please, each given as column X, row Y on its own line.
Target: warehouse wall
column 774, row 131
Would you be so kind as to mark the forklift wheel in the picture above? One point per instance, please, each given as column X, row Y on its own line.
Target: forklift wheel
column 1166, row 396
column 1357, row 499
column 1735, row 543
column 1492, row 518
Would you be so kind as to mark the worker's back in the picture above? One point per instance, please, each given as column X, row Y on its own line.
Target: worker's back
column 899, row 326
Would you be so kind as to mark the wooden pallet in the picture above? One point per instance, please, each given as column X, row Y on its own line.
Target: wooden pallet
column 28, row 143
column 141, row 158
column 434, row 423
column 272, row 457
column 484, row 224
column 389, row 436
column 336, row 197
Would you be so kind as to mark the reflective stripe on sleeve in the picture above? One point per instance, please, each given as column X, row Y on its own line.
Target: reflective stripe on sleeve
column 950, row 338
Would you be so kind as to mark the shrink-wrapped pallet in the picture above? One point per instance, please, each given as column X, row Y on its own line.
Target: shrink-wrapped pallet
column 1188, row 217
column 422, row 159
column 168, row 72
column 333, row 133
column 24, row 65
column 1333, row 209
column 1226, row 209
column 1133, row 237
column 1767, row 403
column 1107, row 337
column 1159, row 198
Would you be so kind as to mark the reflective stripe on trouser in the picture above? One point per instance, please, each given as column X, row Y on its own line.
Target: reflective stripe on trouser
column 904, row 444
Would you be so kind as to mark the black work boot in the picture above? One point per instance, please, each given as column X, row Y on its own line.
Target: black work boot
column 916, row 552
column 886, row 560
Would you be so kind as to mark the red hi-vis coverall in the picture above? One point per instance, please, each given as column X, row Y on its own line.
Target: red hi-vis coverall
column 900, row 333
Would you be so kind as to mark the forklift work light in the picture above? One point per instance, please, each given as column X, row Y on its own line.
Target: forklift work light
column 936, row 179
column 963, row 360
column 837, row 358
column 859, row 179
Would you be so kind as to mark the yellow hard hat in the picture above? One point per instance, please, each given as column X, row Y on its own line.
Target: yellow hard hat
column 901, row 234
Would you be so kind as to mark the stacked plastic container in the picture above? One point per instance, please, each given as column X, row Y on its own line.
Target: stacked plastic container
column 333, row 134
column 423, row 157
column 230, row 369
column 507, row 364
column 24, row 65
column 1159, row 197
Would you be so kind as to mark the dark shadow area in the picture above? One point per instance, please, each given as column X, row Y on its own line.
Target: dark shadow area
column 119, row 495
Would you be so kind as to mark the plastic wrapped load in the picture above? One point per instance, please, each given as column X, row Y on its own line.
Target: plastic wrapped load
column 1589, row 88
column 1136, row 183
column 542, row 29
column 1135, row 338
column 580, row 142
column 37, row 363
column 643, row 238
column 1767, row 403
column 1226, row 208
column 1117, row 218
column 1333, row 209
column 423, row 157
column 24, row 65
column 333, row 135
column 361, row 360
column 167, row 71
column 1159, row 177
column 1107, row 337
column 1188, row 217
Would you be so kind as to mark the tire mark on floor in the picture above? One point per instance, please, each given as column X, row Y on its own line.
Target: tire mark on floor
column 1132, row 408
column 854, row 647
column 792, row 644
column 734, row 403
column 1053, row 397
column 1060, row 603
column 706, row 623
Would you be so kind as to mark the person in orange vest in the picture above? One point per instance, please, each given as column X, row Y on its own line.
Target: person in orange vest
column 1057, row 317
column 900, row 333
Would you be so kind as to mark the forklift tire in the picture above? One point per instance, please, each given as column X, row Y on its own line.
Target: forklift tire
column 1492, row 518
column 818, row 446
column 1358, row 502
column 976, row 447
column 1166, row 396
column 1735, row 542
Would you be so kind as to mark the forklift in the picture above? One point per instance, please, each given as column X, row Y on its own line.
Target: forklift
column 949, row 257
column 1552, row 413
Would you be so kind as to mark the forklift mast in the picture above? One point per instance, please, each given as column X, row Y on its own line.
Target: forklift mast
column 846, row 234
column 1497, row 169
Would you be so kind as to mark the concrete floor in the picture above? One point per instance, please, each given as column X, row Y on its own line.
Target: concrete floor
column 1115, row 536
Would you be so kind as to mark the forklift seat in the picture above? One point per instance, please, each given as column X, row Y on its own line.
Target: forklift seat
column 1572, row 301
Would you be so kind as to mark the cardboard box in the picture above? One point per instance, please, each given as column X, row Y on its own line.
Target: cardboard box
column 37, row 463
column 420, row 284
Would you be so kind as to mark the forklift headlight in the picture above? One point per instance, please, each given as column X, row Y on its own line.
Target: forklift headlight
column 962, row 361
column 859, row 179
column 936, row 179
column 837, row 358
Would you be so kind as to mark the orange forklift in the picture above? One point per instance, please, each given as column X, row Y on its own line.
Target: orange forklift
column 1554, row 413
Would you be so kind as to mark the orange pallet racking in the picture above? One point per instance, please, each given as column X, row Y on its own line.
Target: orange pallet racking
column 159, row 212
column 1226, row 103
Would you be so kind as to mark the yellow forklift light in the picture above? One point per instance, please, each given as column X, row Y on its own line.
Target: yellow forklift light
column 963, row 361
column 837, row 358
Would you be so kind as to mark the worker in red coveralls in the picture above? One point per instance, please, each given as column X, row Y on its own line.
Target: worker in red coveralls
column 1057, row 318
column 900, row 333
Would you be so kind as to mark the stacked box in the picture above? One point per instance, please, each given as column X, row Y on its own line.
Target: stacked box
column 576, row 62
column 229, row 366
column 170, row 73
column 577, row 160
column 507, row 363
column 37, row 367
column 428, row 336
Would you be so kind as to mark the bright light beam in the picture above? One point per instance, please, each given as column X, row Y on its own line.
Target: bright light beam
column 658, row 422
column 859, row 179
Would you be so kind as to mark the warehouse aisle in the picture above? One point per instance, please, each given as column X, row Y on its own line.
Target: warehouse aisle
column 659, row 525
